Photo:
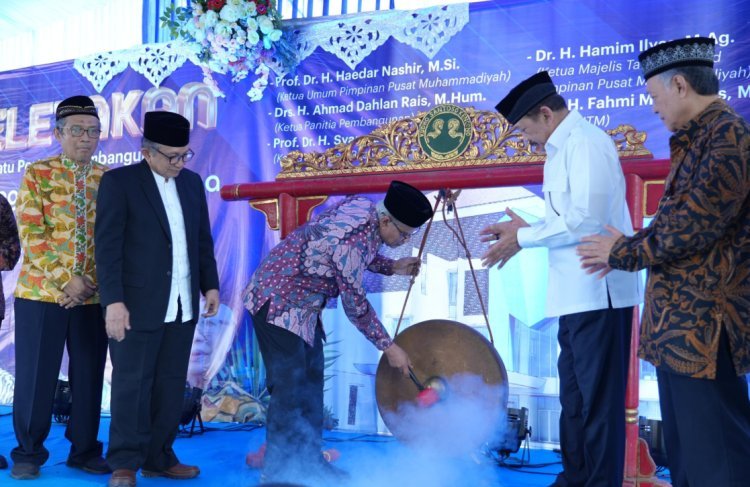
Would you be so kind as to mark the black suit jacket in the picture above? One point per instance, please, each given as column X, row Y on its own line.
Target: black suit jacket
column 134, row 245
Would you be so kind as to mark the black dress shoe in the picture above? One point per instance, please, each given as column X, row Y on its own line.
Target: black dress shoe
column 94, row 465
column 176, row 472
column 3, row 463
column 24, row 471
column 122, row 478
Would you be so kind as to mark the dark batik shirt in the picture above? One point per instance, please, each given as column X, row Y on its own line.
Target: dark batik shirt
column 320, row 260
column 697, row 250
column 10, row 247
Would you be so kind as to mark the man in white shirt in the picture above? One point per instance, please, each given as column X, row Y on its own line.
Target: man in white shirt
column 154, row 254
column 584, row 189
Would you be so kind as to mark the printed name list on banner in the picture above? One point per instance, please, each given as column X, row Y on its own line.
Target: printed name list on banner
column 594, row 65
column 313, row 112
column 601, row 79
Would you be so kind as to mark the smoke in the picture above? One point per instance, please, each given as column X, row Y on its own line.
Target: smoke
column 408, row 466
column 440, row 445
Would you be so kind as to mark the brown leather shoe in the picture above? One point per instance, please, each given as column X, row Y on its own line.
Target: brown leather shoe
column 122, row 477
column 176, row 472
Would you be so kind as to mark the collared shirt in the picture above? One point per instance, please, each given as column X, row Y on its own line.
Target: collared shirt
column 56, row 210
column 697, row 250
column 180, row 263
column 323, row 259
column 584, row 189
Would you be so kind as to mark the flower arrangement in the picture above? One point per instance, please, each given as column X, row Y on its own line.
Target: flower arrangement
column 232, row 36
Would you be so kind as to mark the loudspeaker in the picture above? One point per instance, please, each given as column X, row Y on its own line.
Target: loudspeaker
column 191, row 409
column 516, row 430
column 63, row 402
column 650, row 431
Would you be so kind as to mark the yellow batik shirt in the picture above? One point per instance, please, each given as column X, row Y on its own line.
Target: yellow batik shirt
column 55, row 211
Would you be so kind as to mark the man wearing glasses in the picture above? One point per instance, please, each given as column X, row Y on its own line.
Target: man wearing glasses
column 155, row 254
column 56, row 299
column 321, row 260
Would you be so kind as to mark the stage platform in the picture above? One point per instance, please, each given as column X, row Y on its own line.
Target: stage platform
column 373, row 461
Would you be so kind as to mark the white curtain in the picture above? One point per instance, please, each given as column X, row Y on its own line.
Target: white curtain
column 296, row 9
column 46, row 31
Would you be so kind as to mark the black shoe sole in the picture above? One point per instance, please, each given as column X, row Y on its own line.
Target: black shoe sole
column 25, row 476
column 150, row 475
column 88, row 469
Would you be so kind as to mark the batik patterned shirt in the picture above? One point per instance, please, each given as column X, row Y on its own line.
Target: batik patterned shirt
column 320, row 260
column 56, row 210
column 10, row 248
column 697, row 250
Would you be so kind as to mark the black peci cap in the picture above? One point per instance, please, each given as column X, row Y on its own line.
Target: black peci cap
column 526, row 96
column 166, row 128
column 76, row 105
column 407, row 204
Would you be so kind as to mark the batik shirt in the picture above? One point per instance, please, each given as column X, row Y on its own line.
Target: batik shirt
column 56, row 210
column 10, row 248
column 697, row 250
column 320, row 260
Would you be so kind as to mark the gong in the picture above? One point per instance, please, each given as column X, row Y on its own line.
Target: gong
column 441, row 351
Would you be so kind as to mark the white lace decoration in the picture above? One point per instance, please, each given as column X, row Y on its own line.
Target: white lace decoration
column 154, row 61
column 428, row 30
column 351, row 39
column 100, row 68
column 157, row 61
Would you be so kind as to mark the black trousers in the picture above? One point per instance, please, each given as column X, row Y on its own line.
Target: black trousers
column 593, row 370
column 706, row 425
column 42, row 331
column 295, row 413
column 149, row 370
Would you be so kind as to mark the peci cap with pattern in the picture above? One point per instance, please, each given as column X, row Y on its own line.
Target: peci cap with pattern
column 76, row 105
column 692, row 51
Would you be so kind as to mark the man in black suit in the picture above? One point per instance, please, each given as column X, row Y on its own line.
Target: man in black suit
column 154, row 255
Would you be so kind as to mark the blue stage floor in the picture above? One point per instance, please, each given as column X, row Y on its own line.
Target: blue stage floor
column 373, row 461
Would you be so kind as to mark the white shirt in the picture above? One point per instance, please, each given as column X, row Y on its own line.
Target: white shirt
column 180, row 263
column 584, row 189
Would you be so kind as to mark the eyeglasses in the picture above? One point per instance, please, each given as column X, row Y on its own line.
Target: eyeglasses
column 402, row 234
column 173, row 160
column 78, row 131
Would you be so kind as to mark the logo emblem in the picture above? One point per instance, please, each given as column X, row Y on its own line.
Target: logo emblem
column 445, row 132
